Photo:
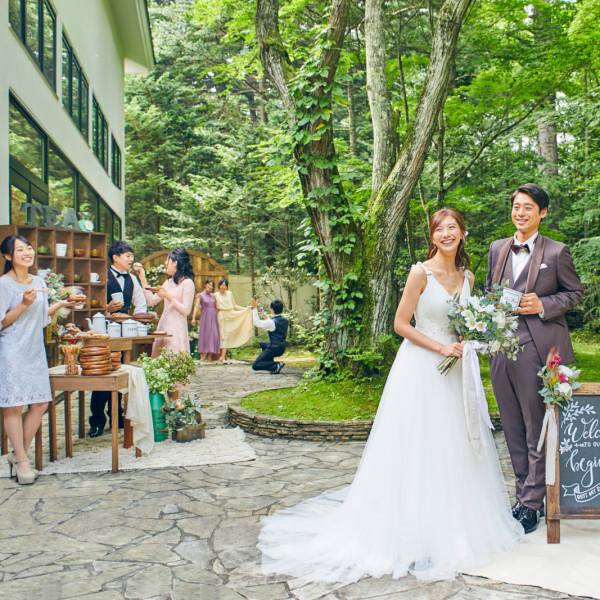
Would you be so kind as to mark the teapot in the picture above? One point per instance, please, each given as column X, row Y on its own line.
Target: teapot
column 98, row 322
column 114, row 330
column 129, row 328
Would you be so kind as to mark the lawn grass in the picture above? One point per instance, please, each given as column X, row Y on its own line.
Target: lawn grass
column 294, row 357
column 351, row 400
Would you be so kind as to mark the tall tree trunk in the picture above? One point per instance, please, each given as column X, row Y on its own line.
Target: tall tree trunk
column 385, row 122
column 548, row 145
column 388, row 207
column 351, row 118
column 314, row 149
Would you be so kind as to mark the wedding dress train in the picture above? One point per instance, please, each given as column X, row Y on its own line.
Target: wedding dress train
column 422, row 501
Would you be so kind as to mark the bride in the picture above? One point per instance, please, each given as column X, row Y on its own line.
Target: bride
column 422, row 501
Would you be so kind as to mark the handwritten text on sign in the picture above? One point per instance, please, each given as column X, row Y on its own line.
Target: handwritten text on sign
column 579, row 452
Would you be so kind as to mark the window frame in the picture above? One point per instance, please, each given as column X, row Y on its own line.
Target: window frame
column 80, row 114
column 116, row 162
column 100, row 133
column 44, row 8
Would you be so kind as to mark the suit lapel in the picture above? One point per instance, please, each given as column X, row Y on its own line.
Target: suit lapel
column 501, row 264
column 536, row 261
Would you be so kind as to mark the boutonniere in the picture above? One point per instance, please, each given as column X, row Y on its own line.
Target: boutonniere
column 543, row 266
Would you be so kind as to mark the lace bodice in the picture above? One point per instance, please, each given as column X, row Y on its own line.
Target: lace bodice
column 431, row 314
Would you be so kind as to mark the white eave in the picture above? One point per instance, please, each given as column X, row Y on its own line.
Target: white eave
column 133, row 28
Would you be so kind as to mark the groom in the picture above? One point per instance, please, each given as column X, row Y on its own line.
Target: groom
column 542, row 269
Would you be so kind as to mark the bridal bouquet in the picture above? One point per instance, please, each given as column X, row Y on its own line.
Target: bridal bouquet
column 488, row 319
column 558, row 381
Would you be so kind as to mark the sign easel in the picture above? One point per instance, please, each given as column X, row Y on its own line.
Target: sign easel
column 576, row 491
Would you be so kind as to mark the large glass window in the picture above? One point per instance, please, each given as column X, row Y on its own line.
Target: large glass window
column 116, row 228
column 105, row 221
column 115, row 159
column 75, row 89
column 26, row 142
column 100, row 134
column 34, row 22
column 87, row 205
column 61, row 181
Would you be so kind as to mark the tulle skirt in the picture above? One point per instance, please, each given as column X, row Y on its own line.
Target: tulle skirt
column 421, row 501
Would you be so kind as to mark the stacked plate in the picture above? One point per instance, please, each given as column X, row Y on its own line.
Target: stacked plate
column 115, row 361
column 95, row 360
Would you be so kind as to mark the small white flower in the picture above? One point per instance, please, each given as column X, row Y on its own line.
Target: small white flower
column 564, row 389
column 489, row 309
column 499, row 319
column 474, row 302
column 471, row 323
column 467, row 314
column 481, row 326
column 495, row 346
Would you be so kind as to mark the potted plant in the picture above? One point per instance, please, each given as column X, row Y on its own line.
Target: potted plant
column 184, row 419
column 158, row 378
column 181, row 367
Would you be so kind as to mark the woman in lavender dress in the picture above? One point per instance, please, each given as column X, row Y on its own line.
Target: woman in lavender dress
column 24, row 313
column 208, row 329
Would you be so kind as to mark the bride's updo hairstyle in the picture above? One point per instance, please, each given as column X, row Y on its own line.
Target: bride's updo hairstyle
column 462, row 259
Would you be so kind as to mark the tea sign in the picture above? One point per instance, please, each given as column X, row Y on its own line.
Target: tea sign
column 51, row 216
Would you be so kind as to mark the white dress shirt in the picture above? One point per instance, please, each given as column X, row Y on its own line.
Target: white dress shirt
column 267, row 324
column 519, row 260
column 137, row 298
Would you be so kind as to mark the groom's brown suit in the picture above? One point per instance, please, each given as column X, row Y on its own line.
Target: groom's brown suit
column 550, row 274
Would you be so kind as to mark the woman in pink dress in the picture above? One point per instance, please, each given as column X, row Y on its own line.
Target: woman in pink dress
column 178, row 295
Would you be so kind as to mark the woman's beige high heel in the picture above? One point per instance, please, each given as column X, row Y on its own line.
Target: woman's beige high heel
column 12, row 461
column 24, row 478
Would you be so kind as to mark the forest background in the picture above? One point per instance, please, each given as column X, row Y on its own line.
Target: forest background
column 315, row 138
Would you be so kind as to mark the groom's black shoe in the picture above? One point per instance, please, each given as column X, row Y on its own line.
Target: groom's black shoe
column 95, row 431
column 528, row 517
column 516, row 509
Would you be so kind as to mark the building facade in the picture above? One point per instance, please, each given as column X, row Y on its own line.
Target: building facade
column 62, row 130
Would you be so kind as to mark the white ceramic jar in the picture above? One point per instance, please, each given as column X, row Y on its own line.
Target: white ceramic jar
column 129, row 328
column 114, row 330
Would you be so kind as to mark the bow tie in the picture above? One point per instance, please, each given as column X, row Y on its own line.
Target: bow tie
column 516, row 248
column 123, row 275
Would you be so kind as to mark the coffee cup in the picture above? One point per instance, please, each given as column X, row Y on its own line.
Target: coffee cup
column 95, row 277
column 61, row 249
column 118, row 297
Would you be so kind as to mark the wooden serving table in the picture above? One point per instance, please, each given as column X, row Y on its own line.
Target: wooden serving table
column 112, row 382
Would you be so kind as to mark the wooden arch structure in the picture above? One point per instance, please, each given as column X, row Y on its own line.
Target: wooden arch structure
column 204, row 267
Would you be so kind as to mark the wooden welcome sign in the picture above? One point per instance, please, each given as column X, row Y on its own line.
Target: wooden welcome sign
column 576, row 491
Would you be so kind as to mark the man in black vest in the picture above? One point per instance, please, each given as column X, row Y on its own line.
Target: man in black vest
column 542, row 270
column 277, row 327
column 120, row 283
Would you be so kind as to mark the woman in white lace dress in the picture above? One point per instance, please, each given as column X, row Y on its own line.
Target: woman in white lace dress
column 422, row 501
column 24, row 313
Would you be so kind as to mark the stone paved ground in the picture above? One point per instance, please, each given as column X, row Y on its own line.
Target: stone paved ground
column 190, row 533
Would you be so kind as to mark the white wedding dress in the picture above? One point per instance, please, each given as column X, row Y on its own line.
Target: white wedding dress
column 421, row 501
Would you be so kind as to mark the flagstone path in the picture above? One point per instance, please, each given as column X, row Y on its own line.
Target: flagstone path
column 190, row 532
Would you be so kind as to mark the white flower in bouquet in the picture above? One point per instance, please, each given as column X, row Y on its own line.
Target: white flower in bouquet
column 564, row 389
column 565, row 371
column 471, row 323
column 492, row 324
column 481, row 327
column 500, row 319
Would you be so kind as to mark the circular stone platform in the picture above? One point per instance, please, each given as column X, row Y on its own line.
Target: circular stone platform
column 270, row 426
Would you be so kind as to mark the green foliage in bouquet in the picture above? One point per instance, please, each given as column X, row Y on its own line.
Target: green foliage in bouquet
column 179, row 413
